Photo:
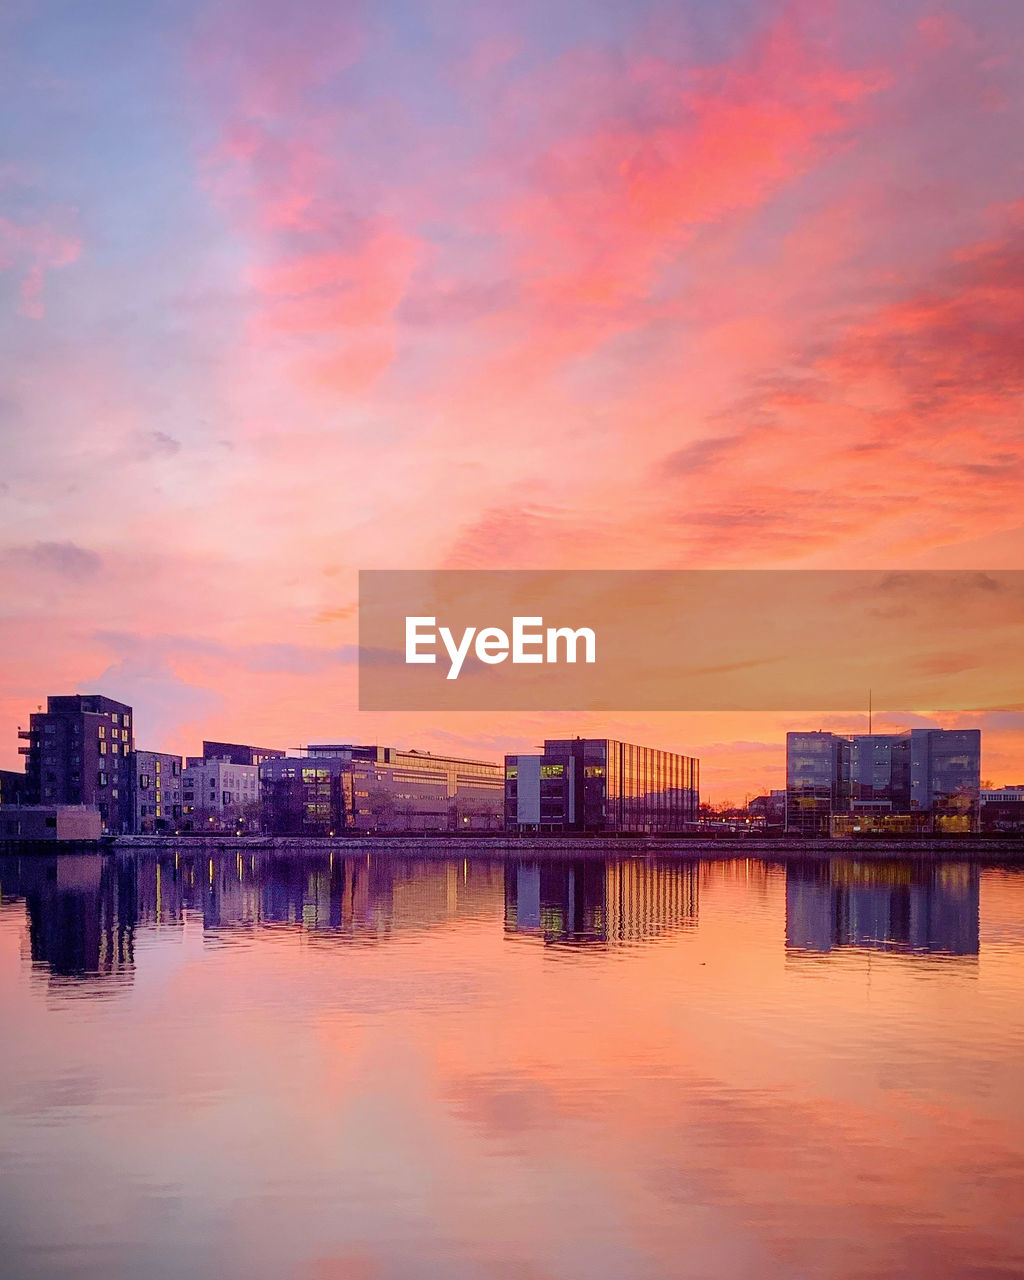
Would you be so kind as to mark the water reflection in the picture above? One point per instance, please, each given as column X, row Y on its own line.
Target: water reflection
column 81, row 910
column 321, row 1068
column 888, row 906
column 84, row 910
column 600, row 901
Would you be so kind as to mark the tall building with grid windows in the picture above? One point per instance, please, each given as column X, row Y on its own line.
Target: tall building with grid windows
column 80, row 751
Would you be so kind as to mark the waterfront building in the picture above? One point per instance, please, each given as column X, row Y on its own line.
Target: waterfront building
column 599, row 784
column 303, row 796
column 339, row 787
column 217, row 795
column 1002, row 809
column 923, row 780
column 50, row 822
column 80, row 753
column 157, row 796
column 945, row 777
column 817, row 780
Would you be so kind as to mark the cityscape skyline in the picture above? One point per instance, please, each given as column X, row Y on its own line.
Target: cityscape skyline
column 83, row 751
column 842, row 726
column 653, row 285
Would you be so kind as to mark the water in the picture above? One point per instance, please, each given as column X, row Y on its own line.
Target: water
column 368, row 1069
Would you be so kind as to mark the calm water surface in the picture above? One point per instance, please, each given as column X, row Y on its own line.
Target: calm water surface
column 371, row 1069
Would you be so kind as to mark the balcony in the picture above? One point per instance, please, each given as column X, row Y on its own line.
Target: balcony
column 28, row 733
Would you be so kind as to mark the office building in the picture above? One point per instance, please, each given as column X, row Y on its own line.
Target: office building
column 926, row 780
column 217, row 795
column 598, row 784
column 339, row 787
column 945, row 778
column 157, row 798
column 80, row 753
column 817, row 780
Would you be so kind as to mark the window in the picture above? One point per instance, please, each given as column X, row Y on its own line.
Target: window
column 102, row 779
column 102, row 731
column 103, row 748
column 144, row 781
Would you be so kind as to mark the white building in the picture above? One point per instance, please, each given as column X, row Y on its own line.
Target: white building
column 217, row 795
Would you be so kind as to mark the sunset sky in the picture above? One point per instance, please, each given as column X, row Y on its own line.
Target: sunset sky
column 287, row 291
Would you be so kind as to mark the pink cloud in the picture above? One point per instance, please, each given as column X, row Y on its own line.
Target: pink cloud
column 31, row 250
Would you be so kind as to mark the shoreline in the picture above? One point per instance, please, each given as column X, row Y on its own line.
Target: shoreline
column 1001, row 849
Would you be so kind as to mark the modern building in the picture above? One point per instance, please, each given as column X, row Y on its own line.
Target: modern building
column 239, row 753
column 945, row 777
column 305, row 796
column 599, row 784
column 338, row 787
column 924, row 780
column 817, row 780
column 80, row 753
column 157, row 796
column 217, row 795
column 13, row 787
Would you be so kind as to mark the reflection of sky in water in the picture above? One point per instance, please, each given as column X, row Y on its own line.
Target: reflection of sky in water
column 374, row 1068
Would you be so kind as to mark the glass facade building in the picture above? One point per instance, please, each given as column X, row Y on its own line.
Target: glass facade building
column 600, row 785
column 945, row 777
column 817, row 780
column 924, row 780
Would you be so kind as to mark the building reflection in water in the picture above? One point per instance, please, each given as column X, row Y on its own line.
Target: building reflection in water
column 81, row 911
column 597, row 901
column 325, row 894
column 888, row 906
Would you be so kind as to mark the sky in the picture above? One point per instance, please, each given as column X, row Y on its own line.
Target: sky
column 292, row 291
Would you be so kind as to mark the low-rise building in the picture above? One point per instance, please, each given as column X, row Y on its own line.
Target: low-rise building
column 50, row 822
column 1002, row 809
column 342, row 787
